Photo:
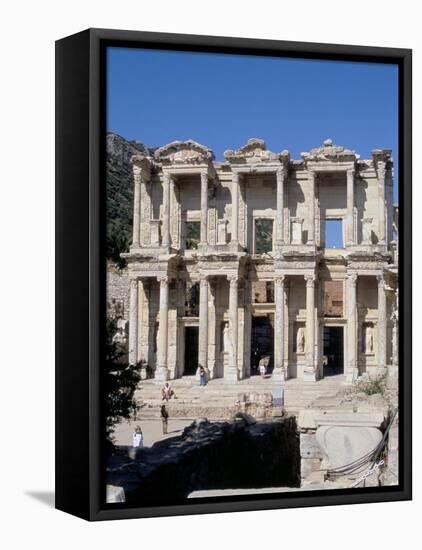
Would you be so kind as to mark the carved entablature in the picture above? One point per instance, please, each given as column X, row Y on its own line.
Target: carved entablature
column 330, row 152
column 142, row 165
column 255, row 152
column 382, row 159
column 183, row 153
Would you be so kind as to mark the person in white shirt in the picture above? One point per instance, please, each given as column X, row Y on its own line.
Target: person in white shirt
column 138, row 437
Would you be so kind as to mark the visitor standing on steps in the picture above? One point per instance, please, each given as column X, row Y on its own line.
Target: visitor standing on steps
column 166, row 392
column 202, row 376
column 164, row 418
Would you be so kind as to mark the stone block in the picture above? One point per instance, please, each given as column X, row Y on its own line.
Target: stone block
column 309, row 447
column 306, row 420
column 308, row 466
column 342, row 445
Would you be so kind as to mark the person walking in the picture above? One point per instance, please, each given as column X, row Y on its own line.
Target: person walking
column 262, row 369
column 138, row 437
column 202, row 376
column 164, row 418
column 166, row 392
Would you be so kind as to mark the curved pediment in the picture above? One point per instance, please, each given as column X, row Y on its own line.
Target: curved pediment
column 330, row 152
column 253, row 152
column 184, row 152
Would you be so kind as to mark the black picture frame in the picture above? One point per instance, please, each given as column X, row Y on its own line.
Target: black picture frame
column 80, row 268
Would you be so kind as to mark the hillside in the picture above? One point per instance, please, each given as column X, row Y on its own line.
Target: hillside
column 119, row 181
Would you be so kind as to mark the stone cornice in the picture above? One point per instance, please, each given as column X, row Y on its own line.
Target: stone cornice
column 330, row 152
column 256, row 152
column 183, row 153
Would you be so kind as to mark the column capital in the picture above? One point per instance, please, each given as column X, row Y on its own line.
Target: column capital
column 141, row 166
column 310, row 280
column 281, row 172
column 233, row 279
column 381, row 170
column 163, row 280
column 204, row 175
column 352, row 278
column 203, row 279
column 381, row 280
column 134, row 283
column 279, row 280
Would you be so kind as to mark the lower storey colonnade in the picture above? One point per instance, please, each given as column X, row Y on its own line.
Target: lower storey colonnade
column 220, row 323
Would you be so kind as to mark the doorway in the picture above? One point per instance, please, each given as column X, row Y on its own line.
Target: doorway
column 262, row 343
column 333, row 351
column 191, row 351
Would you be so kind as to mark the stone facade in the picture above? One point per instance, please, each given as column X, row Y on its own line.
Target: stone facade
column 219, row 247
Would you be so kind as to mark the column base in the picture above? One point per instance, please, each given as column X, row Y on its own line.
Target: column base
column 232, row 375
column 162, row 374
column 352, row 375
column 309, row 375
column 279, row 375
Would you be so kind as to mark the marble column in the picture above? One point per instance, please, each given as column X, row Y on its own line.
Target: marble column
column 309, row 371
column 311, row 218
column 381, row 203
column 281, row 175
column 232, row 375
column 235, row 208
column 162, row 372
column 204, row 208
column 133, row 322
column 352, row 367
column 350, row 231
column 279, row 369
column 136, row 206
column 382, row 324
column 165, row 238
column 203, row 323
column 395, row 319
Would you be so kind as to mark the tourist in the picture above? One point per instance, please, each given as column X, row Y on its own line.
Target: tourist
column 202, row 376
column 166, row 392
column 138, row 437
column 262, row 370
column 164, row 418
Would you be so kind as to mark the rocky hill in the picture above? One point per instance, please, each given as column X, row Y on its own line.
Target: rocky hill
column 119, row 181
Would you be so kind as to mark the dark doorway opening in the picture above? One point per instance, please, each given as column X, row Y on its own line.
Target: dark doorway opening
column 262, row 343
column 191, row 350
column 333, row 351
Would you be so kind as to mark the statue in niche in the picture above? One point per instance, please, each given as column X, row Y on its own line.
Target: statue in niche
column 369, row 340
column 226, row 338
column 367, row 230
column 300, row 340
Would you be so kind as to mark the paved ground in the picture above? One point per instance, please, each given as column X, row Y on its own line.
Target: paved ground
column 152, row 430
column 260, row 491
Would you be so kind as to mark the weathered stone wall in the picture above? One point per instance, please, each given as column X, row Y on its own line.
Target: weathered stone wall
column 118, row 289
column 219, row 455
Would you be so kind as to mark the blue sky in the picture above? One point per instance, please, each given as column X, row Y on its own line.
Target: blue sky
column 223, row 100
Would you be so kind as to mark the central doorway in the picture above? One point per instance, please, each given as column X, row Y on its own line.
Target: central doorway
column 191, row 351
column 262, row 343
column 333, row 351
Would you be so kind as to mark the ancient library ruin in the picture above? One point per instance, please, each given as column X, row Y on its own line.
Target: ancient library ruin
column 261, row 257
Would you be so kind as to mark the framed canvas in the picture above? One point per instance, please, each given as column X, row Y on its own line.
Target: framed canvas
column 233, row 277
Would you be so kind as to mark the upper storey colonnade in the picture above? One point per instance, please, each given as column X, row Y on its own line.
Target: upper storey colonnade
column 329, row 183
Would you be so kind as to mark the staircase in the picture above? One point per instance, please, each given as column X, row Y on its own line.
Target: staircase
column 217, row 400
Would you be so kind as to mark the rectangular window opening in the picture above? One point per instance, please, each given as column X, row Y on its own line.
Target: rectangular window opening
column 334, row 234
column 263, row 236
column 193, row 232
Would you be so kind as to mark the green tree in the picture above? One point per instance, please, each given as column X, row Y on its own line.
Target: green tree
column 121, row 381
